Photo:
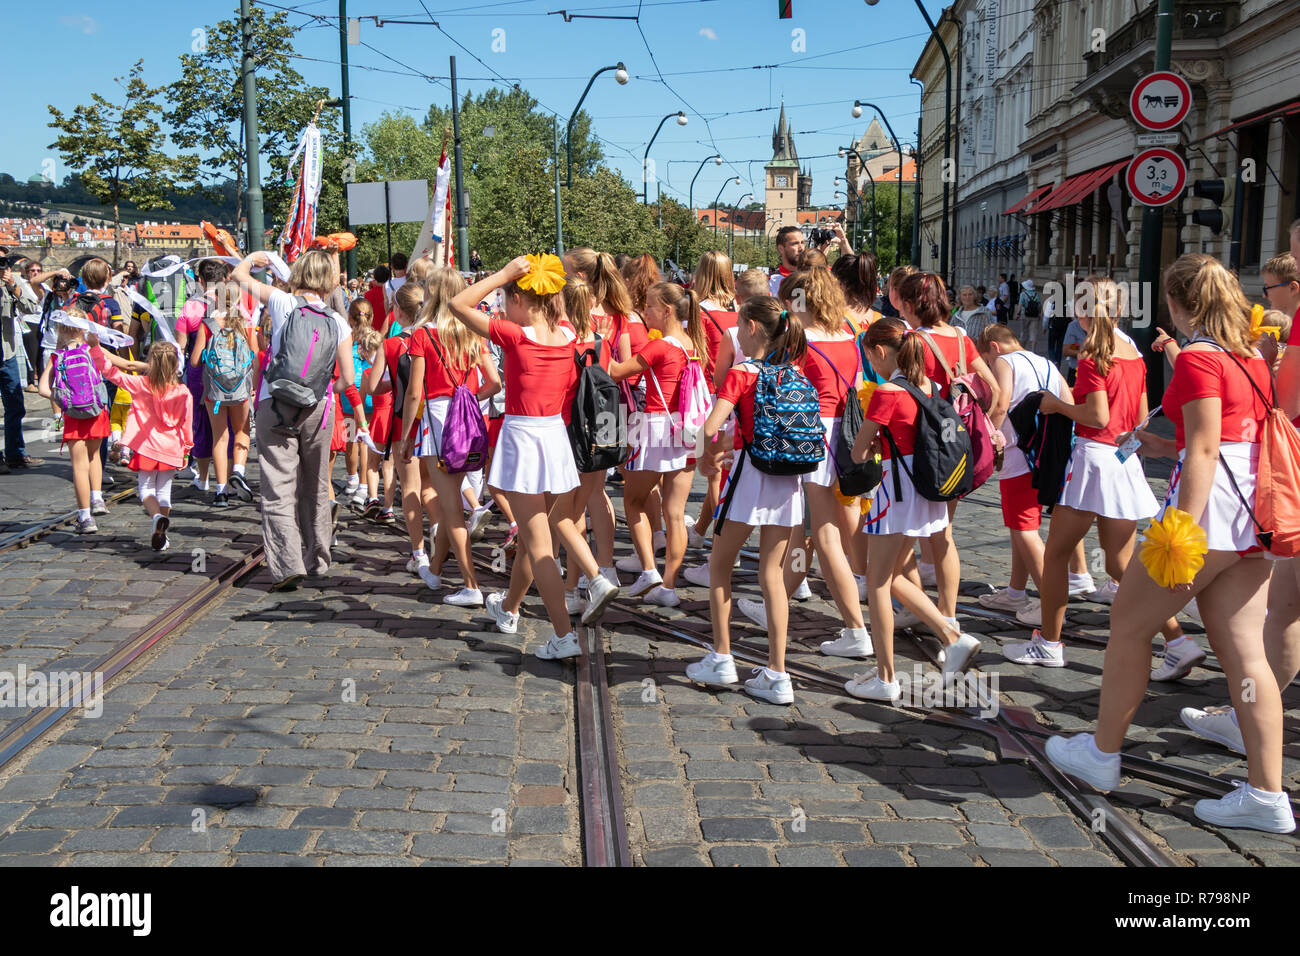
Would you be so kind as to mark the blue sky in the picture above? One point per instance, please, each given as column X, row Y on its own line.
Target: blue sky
column 703, row 49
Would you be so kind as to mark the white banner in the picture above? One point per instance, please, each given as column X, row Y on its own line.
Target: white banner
column 988, row 107
column 431, row 233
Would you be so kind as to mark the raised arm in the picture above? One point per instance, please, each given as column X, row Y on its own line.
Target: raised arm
column 243, row 274
column 465, row 306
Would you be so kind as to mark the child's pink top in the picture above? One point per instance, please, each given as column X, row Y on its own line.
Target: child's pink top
column 157, row 426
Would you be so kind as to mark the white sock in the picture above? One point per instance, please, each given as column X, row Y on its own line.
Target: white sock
column 1080, row 578
column 221, row 489
column 1015, row 593
column 716, row 658
column 1176, row 641
column 1098, row 752
column 353, row 481
column 156, row 519
column 1266, row 797
column 418, row 553
column 856, row 632
column 771, row 674
column 953, row 625
column 860, row 578
column 239, row 470
column 83, row 514
column 97, row 497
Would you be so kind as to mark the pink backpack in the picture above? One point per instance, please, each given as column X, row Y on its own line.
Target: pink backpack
column 694, row 403
column 970, row 397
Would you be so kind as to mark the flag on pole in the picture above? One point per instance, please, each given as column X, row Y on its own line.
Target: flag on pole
column 434, row 230
column 300, row 224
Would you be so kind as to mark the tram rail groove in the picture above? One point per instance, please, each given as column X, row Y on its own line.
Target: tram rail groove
column 604, row 822
column 21, row 539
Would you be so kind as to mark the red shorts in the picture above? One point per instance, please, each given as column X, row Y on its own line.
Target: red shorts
column 145, row 463
column 1020, row 508
column 339, row 438
column 82, row 429
column 381, row 423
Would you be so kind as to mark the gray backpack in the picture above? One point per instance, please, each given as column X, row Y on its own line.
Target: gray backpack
column 303, row 365
column 227, row 366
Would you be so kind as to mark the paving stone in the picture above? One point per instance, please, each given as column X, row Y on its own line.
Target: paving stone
column 1003, row 837
column 1055, row 832
column 924, row 810
column 873, row 856
column 939, row 856
column 674, row 856
column 1013, row 858
column 262, row 840
column 807, row 856
column 31, row 841
column 720, row 829
column 313, row 817
column 915, row 832
column 452, row 846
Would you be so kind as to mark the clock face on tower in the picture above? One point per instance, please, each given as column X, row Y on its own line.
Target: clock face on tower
column 782, row 181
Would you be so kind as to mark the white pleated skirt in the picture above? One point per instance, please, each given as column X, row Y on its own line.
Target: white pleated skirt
column 913, row 516
column 657, row 449
column 431, row 424
column 533, row 456
column 1098, row 482
column 826, row 474
column 760, row 499
column 1227, row 524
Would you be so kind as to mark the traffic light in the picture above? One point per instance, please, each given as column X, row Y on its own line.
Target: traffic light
column 1217, row 218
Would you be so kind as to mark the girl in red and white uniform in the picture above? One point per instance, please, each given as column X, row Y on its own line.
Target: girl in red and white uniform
column 664, row 460
column 407, row 302
column 923, row 303
column 534, row 460
column 897, row 518
column 444, row 355
column 752, row 499
column 715, row 285
column 1217, row 399
column 1110, row 399
column 416, row 306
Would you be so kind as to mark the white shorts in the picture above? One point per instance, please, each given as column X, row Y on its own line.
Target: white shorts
column 533, row 456
column 826, row 475
column 1227, row 524
column 1098, row 482
column 656, row 447
column 913, row 516
column 759, row 499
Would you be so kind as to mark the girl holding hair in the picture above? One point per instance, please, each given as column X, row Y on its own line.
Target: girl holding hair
column 1110, row 399
column 896, row 353
column 753, row 499
column 226, row 321
column 160, row 427
column 445, row 354
column 1218, row 399
column 663, row 461
column 534, row 460
column 416, row 306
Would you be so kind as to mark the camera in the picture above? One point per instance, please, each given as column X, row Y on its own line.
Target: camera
column 61, row 284
column 820, row 237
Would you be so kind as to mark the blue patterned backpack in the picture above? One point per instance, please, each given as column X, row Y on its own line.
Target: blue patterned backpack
column 789, row 438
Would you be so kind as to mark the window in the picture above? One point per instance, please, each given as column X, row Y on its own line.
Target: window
column 1252, row 143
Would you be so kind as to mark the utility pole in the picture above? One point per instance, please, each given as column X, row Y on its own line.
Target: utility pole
column 559, row 227
column 462, row 230
column 1153, row 224
column 916, row 205
column 347, row 118
column 253, row 200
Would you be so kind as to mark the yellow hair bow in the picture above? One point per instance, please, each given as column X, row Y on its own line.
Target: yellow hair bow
column 545, row 274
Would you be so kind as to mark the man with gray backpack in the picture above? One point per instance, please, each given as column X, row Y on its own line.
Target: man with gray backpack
column 311, row 346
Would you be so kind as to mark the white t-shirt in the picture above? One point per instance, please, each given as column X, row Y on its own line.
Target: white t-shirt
column 278, row 308
column 1029, row 373
column 390, row 290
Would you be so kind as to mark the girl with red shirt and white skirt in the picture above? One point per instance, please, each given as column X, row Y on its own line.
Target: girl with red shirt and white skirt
column 1110, row 397
column 1217, row 399
column 444, row 355
column 752, row 499
column 533, row 464
column 897, row 519
column 663, row 459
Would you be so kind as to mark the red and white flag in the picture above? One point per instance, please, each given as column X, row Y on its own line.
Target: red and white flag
column 435, row 231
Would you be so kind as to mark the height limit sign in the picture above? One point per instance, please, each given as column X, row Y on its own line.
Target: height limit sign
column 1156, row 177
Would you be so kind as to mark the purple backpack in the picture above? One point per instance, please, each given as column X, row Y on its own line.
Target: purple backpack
column 77, row 384
column 464, row 443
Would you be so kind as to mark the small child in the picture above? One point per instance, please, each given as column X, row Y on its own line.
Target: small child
column 73, row 383
column 159, row 430
column 366, row 348
column 360, row 316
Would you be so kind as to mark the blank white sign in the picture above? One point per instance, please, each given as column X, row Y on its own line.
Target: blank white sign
column 408, row 201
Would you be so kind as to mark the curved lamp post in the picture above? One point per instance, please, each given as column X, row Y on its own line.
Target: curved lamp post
column 732, row 222
column 645, row 160
column 724, row 185
column 844, row 150
column 898, row 240
column 621, row 76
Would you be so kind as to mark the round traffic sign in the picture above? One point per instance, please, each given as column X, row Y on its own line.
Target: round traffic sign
column 1156, row 176
column 1160, row 101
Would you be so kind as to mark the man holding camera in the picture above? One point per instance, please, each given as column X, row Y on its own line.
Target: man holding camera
column 16, row 300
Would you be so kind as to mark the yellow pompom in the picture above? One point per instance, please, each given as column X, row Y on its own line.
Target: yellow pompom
column 1174, row 549
column 545, row 274
column 865, row 391
column 654, row 334
column 1257, row 326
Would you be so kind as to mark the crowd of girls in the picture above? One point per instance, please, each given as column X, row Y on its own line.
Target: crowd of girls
column 520, row 341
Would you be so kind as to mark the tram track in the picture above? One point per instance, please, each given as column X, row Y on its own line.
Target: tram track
column 32, row 533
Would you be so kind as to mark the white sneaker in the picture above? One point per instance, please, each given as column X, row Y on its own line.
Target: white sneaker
column 1244, row 808
column 358, row 498
column 1081, row 584
column 629, row 565
column 871, row 687
column 862, row 587
column 1035, row 651
column 1218, row 726
column 958, row 654
column 506, row 622
column 465, row 597
column 662, row 596
column 433, row 581
column 774, row 690
column 756, row 611
column 1002, row 600
column 659, row 541
column 717, row 672
column 802, row 592
column 1179, row 660
column 478, row 519
column 645, row 582
column 573, row 601
column 852, row 642
column 559, row 648
column 694, row 539
column 698, row 575
column 1031, row 613
column 599, row 593
column 610, row 575
column 929, row 578
column 1079, row 757
column 1104, row 594
column 416, row 562
column 352, row 485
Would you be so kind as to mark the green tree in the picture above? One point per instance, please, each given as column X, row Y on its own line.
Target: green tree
column 886, row 224
column 207, row 113
column 118, row 149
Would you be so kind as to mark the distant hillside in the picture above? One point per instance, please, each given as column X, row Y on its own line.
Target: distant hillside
column 72, row 198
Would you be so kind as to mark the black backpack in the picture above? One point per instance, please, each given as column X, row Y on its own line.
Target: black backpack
column 942, row 462
column 597, row 428
column 1033, row 307
column 854, row 478
column 401, row 378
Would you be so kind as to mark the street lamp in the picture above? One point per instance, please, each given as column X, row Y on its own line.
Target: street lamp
column 732, row 222
column 645, row 160
column 898, row 239
column 690, row 198
column 620, row 75
column 863, row 166
column 724, row 185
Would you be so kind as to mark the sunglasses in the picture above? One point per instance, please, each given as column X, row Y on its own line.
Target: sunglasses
column 1276, row 285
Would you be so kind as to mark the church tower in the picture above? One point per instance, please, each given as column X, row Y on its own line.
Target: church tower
column 784, row 190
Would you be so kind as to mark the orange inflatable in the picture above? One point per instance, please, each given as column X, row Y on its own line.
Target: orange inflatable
column 335, row 242
column 222, row 241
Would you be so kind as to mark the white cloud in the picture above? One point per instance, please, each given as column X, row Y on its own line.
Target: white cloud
column 708, row 34
column 83, row 23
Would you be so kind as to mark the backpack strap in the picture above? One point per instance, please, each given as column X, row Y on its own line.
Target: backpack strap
column 847, row 383
column 940, row 357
